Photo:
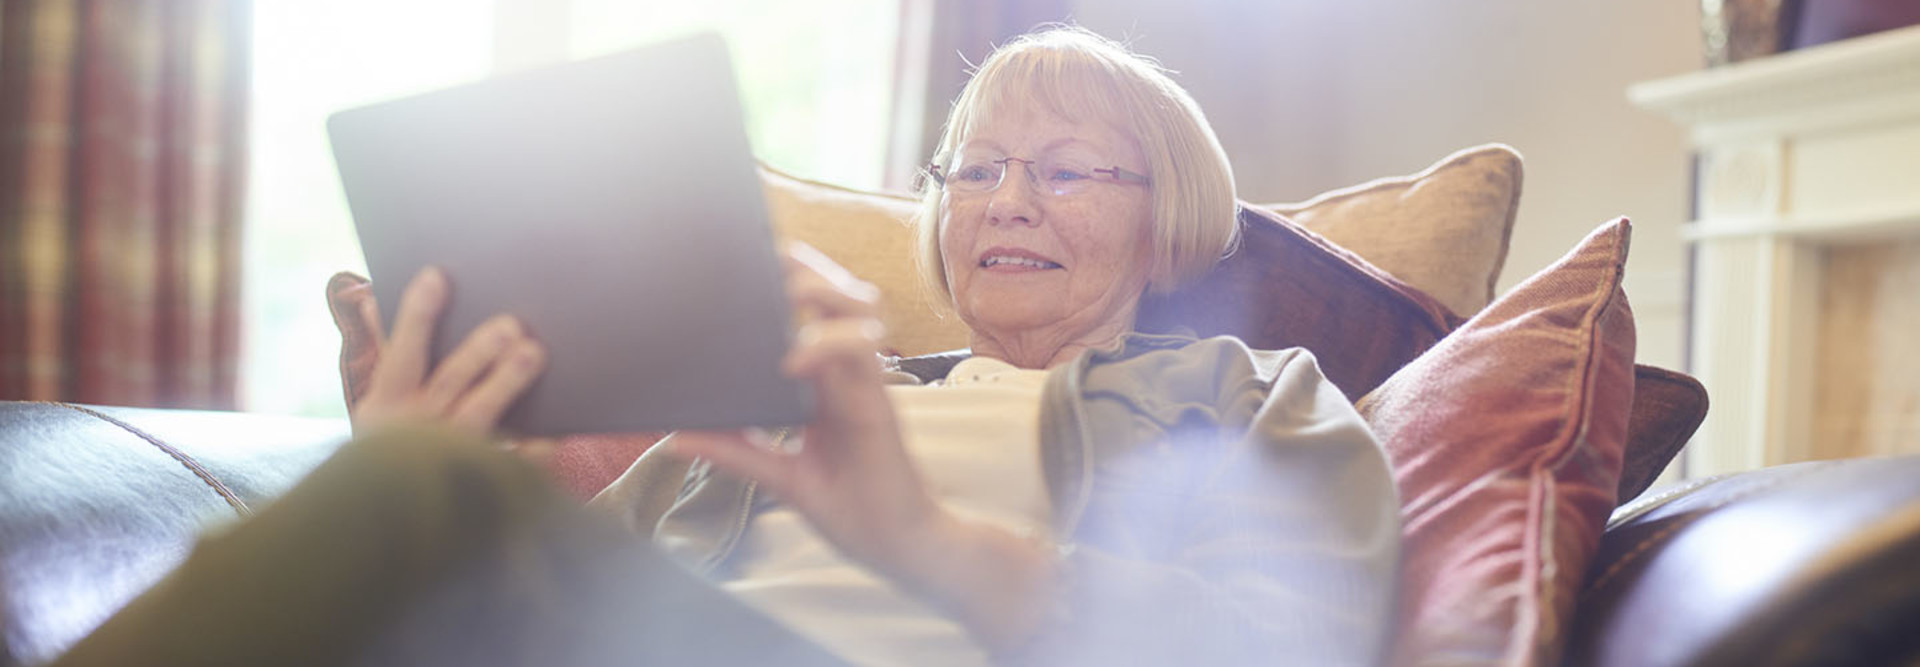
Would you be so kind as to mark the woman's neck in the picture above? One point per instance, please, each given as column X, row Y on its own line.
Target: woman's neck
column 1044, row 348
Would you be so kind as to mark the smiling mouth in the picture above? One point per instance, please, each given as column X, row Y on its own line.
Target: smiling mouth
column 1010, row 261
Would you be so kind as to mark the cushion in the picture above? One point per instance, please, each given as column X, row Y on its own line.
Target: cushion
column 1443, row 230
column 1506, row 441
column 1286, row 286
column 867, row 232
column 1667, row 408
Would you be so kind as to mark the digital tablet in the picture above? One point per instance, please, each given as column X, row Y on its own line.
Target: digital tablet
column 613, row 205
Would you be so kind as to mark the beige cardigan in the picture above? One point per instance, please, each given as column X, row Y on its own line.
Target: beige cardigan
column 1225, row 506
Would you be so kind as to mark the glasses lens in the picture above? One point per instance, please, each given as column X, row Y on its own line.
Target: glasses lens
column 1064, row 177
column 974, row 175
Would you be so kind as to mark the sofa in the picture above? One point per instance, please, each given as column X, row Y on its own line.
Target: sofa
column 1803, row 564
column 1384, row 282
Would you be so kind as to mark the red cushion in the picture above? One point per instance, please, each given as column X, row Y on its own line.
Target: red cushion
column 1506, row 441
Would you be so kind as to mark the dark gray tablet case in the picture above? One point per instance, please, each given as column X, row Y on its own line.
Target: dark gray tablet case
column 613, row 205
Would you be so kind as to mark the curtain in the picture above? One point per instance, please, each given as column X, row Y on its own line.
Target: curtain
column 940, row 41
column 122, row 131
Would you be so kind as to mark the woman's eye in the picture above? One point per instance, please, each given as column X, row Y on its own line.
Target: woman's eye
column 974, row 173
column 1066, row 175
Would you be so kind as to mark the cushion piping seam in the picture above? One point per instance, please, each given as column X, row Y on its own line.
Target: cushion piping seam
column 1459, row 157
column 1506, row 230
column 1572, row 439
column 239, row 506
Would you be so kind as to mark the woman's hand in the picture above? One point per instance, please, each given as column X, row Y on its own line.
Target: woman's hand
column 470, row 389
column 850, row 475
column 852, row 479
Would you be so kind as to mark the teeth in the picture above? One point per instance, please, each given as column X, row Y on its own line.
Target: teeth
column 1017, row 261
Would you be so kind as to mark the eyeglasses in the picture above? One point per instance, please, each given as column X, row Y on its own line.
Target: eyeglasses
column 976, row 176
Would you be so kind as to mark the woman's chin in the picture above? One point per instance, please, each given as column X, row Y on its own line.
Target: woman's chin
column 1008, row 316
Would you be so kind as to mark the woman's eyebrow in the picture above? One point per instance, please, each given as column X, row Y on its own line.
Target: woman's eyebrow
column 1063, row 141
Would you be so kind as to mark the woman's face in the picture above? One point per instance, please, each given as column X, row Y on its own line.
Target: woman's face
column 1021, row 259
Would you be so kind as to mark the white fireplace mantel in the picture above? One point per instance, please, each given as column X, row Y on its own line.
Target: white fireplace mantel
column 1803, row 156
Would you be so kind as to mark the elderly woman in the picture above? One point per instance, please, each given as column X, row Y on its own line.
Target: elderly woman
column 1074, row 489
column 1073, row 492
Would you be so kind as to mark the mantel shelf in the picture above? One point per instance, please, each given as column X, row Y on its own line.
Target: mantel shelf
column 1885, row 225
column 1867, row 79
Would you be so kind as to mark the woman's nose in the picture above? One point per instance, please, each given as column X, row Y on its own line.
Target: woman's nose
column 1016, row 201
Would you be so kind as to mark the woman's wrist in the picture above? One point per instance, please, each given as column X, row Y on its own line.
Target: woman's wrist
column 1001, row 584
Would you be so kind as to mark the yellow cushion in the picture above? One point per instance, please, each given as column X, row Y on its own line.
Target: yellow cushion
column 867, row 232
column 1443, row 230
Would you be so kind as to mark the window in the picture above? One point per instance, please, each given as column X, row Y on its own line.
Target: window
column 815, row 81
column 815, row 77
column 311, row 59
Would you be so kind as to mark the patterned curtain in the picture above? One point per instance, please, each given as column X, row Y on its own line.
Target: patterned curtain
column 122, row 137
column 940, row 41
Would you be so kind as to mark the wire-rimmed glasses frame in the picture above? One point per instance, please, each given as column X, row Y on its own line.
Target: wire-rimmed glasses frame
column 1056, row 184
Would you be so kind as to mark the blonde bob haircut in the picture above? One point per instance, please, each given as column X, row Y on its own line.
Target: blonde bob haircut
column 1081, row 76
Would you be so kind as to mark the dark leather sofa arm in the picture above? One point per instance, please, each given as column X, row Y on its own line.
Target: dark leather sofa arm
column 96, row 504
column 1804, row 564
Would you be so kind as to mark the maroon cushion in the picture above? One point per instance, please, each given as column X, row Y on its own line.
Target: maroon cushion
column 1286, row 286
column 1667, row 408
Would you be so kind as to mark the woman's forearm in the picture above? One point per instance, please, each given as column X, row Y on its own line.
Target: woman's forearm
column 1001, row 585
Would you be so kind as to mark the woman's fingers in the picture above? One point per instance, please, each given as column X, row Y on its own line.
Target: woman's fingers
column 818, row 285
column 850, row 343
column 403, row 359
column 481, row 350
column 481, row 406
column 471, row 388
column 370, row 321
column 816, row 298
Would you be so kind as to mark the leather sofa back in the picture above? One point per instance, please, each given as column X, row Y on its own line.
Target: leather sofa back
column 96, row 504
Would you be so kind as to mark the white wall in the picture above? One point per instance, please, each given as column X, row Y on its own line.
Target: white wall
column 1314, row 94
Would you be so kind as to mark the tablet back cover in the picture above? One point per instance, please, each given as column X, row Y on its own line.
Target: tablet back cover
column 613, row 205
